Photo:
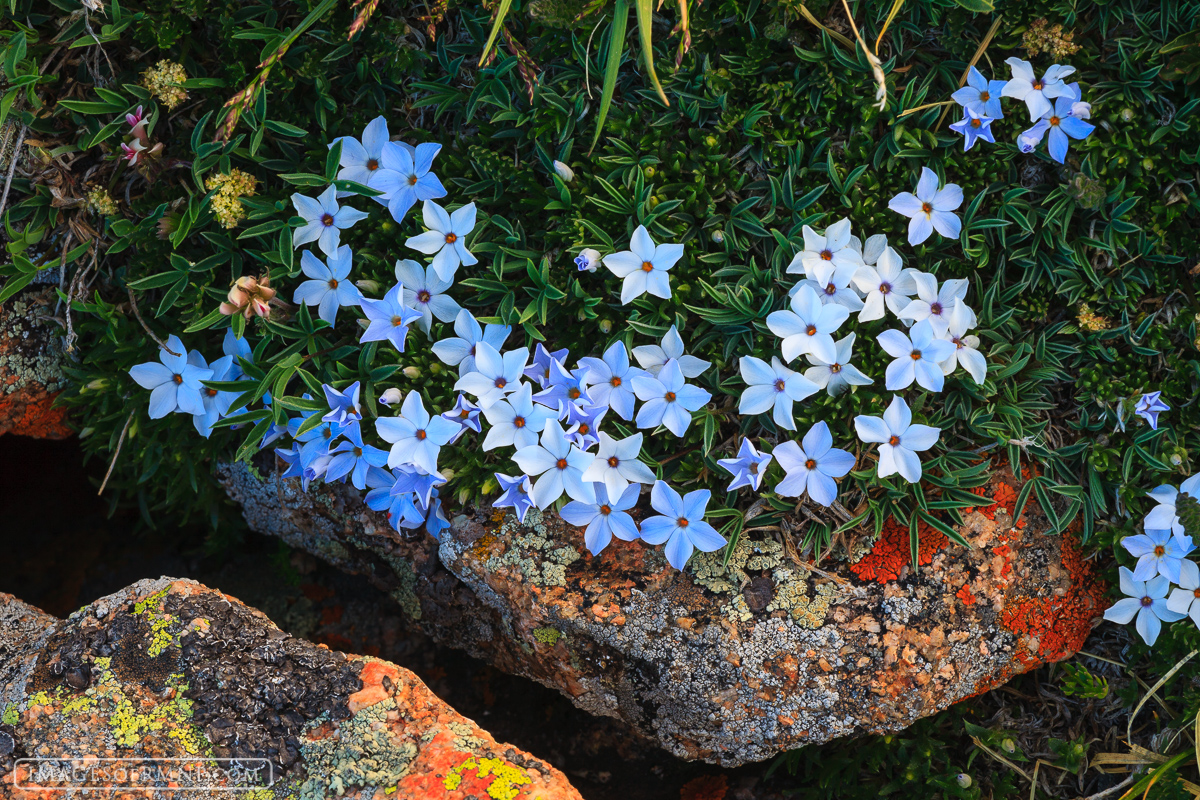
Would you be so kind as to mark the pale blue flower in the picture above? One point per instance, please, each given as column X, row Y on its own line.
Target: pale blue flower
column 329, row 288
column 974, row 127
column 216, row 402
column 807, row 326
column 886, row 284
column 516, row 420
column 1164, row 515
column 315, row 442
column 812, row 466
column 495, row 375
column 966, row 348
column 389, row 318
column 681, row 525
column 587, row 260
column 435, row 519
column 772, row 386
column 832, row 282
column 603, row 519
column 424, row 291
column 231, row 345
column 980, row 95
column 930, row 209
column 833, row 248
column 362, row 161
column 447, row 237
column 464, row 414
column 1186, row 599
column 415, row 181
column 1060, row 125
column 918, row 355
column 415, row 437
column 419, row 483
column 748, row 468
column 343, row 405
column 539, row 369
column 654, row 357
column 1149, row 406
column 935, row 304
column 611, row 379
column 324, row 221
column 1147, row 601
column 566, row 387
column 899, row 439
column 667, row 400
column 174, row 384
column 1158, row 552
column 583, row 425
column 459, row 351
column 839, row 375
column 560, row 465
column 354, row 458
column 516, row 493
column 616, row 464
column 644, row 266
column 1037, row 93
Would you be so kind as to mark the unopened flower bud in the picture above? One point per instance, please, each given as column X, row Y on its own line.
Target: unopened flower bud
column 436, row 368
column 448, row 474
column 1126, row 115
column 564, row 172
column 86, row 432
column 606, row 326
column 489, row 486
column 587, row 260
column 464, row 495
column 718, row 236
column 963, row 780
column 368, row 286
column 391, row 397
column 1008, row 746
column 97, row 385
column 412, row 373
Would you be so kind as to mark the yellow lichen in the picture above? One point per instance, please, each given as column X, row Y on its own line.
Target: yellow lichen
column 165, row 81
column 548, row 636
column 507, row 781
column 160, row 636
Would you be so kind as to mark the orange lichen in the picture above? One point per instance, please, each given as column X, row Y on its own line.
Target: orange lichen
column 966, row 595
column 891, row 553
column 31, row 412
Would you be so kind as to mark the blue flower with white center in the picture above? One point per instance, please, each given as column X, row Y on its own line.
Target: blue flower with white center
column 653, row 357
column 611, row 379
column 415, row 437
column 1147, row 601
column 459, row 351
column 565, row 388
column 1060, row 125
column 667, row 400
column 419, row 483
column 583, row 425
column 495, row 375
column 807, row 326
column 401, row 509
column 1164, row 515
column 424, row 291
column 974, row 127
column 516, row 493
column 516, row 420
column 1158, row 552
column 415, row 182
column 980, row 95
column 343, row 405
column 464, row 414
column 174, row 384
column 930, row 208
column 837, row 377
column 918, row 356
column 644, row 266
column 812, row 466
column 587, row 260
column 604, row 518
column 389, row 318
column 772, row 386
column 899, row 439
column 329, row 288
column 748, row 468
column 1149, row 406
column 616, row 464
column 324, row 220
column 539, row 369
column 216, row 402
column 361, row 161
column 560, row 465
column 354, row 458
column 447, row 237
column 681, row 525
column 1037, row 93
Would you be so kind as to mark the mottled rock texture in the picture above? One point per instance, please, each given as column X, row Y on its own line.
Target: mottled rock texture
column 171, row 669
column 729, row 665
column 31, row 360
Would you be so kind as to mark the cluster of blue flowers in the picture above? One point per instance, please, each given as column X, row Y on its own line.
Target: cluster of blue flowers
column 1056, row 108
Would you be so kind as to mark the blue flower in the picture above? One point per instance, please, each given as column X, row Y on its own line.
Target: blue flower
column 343, row 406
column 424, row 292
column 316, row 441
column 807, row 326
column 329, row 288
column 1036, row 92
column 899, row 439
column 539, row 370
column 1147, row 601
column 274, row 432
column 465, row 414
column 616, row 464
column 447, row 237
column 587, row 260
column 354, row 458
column 1061, row 125
column 389, row 318
column 560, row 465
column 415, row 437
column 930, row 208
column 416, row 481
column 174, row 384
column 812, row 467
column 216, row 402
column 1149, row 406
column 1158, row 552
column 401, row 509
column 565, row 388
column 583, row 425
column 681, row 525
column 748, row 468
column 495, row 375
column 516, row 420
column 918, row 355
column 323, row 220
column 1165, row 515
column 291, row 457
column 974, row 127
column 604, row 519
column 612, row 379
column 460, row 351
column 362, row 161
column 653, row 357
column 772, row 386
column 416, row 182
column 435, row 519
column 667, row 400
column 516, row 493
column 980, row 95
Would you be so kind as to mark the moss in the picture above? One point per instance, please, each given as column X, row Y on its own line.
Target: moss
column 11, row 716
column 363, row 753
column 548, row 636
column 507, row 782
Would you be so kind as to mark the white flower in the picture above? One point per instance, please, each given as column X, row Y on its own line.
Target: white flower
column 918, row 357
column 772, row 386
column 806, row 328
column 871, row 250
column 837, row 376
column 616, row 464
column 653, row 358
column 899, row 440
column 1146, row 600
column 832, row 285
column 416, row 437
column 560, row 465
column 644, row 266
column 812, row 467
column 323, row 220
column 447, row 236
column 932, row 303
column 887, row 284
column 1036, row 92
column 516, row 420
column 361, row 161
column 496, row 376
column 966, row 348
column 831, row 248
column 423, row 291
column 1164, row 515
column 930, row 208
column 1186, row 599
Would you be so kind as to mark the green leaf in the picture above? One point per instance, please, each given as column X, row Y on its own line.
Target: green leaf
column 15, row 285
column 978, row 6
column 501, row 13
column 616, row 47
column 332, row 160
column 645, row 17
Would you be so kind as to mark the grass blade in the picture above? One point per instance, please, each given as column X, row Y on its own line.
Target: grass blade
column 616, row 46
column 501, row 13
column 645, row 15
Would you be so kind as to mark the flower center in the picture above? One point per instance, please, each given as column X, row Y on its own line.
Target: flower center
column 584, row 428
column 501, row 383
column 1147, row 602
column 810, row 464
column 333, row 284
column 935, row 308
column 835, row 368
column 327, row 220
column 669, row 397
column 1160, row 551
column 811, row 330
column 958, row 343
column 975, row 123
column 451, row 238
column 518, row 422
column 753, row 467
column 327, row 433
column 779, row 384
column 372, row 164
column 1196, row 592
column 561, row 463
column 573, row 393
column 178, row 379
column 421, row 435
column 830, row 289
column 916, row 355
column 412, row 180
column 605, row 510
column 827, row 255
column 398, row 321
column 613, row 461
column 894, row 441
column 682, row 522
column 358, row 452
column 985, row 96
column 926, row 207
column 466, row 412
column 423, row 296
column 647, row 266
column 1038, row 85
column 471, row 352
column 211, row 392
column 1054, row 120
column 615, row 381
column 885, row 288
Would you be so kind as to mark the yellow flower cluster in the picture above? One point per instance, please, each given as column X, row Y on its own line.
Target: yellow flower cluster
column 1091, row 321
column 1042, row 37
column 100, row 202
column 225, row 203
column 165, row 82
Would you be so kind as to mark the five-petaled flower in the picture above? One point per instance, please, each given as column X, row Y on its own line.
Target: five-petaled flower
column 616, row 464
column 839, row 375
column 681, row 526
column 447, row 236
column 930, row 208
column 653, row 357
column 980, row 95
column 899, row 439
column 604, row 518
column 830, row 249
column 667, row 400
column 748, row 468
column 516, row 420
column 772, row 386
column 174, row 384
column 886, row 284
column 1060, row 125
column 918, row 356
column 1149, row 406
column 966, row 348
column 643, row 267
column 460, row 350
column 812, row 466
column 416, row 438
column 414, row 180
column 1147, row 601
column 361, row 161
column 1036, row 92
column 560, row 466
column 354, row 458
column 495, row 375
column 516, row 493
column 343, row 405
column 389, row 318
column 974, row 127
column 324, row 220
column 932, row 303
column 424, row 290
column 807, row 326
column 1158, row 552
column 611, row 379
column 329, row 287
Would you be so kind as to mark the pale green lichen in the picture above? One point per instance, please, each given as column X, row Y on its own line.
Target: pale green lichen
column 406, row 593
column 548, row 636
column 791, row 595
column 39, row 366
column 749, row 554
column 790, row 591
column 364, row 753
column 539, row 558
column 11, row 716
column 160, row 622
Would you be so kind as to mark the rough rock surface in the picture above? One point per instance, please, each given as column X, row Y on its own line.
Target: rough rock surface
column 30, row 368
column 171, row 669
column 729, row 666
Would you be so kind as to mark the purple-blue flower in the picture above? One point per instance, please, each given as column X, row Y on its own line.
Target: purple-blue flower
column 604, row 519
column 681, row 525
column 323, row 220
column 216, row 402
column 539, row 370
column 412, row 166
column 388, row 319
column 435, row 519
column 1149, row 406
column 465, row 414
column 611, row 379
column 583, row 425
column 980, row 95
column 343, row 405
column 401, row 509
column 974, row 127
column 496, row 376
column 1060, row 125
column 565, row 387
column 459, row 351
column 362, row 161
column 516, row 493
column 748, row 468
column 667, row 400
column 812, row 466
column 316, row 441
column 329, row 288
column 174, row 384
column 423, row 485
column 354, row 458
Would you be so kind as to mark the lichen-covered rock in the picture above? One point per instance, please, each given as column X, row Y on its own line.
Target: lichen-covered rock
column 31, row 358
column 731, row 663
column 169, row 669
